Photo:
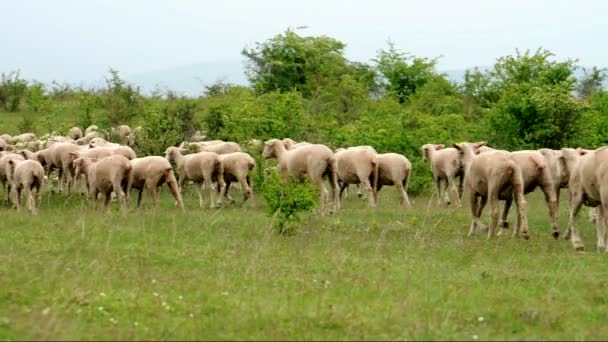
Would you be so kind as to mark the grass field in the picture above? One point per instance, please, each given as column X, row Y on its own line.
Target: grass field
column 390, row 273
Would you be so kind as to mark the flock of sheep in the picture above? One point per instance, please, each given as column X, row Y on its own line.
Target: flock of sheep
column 487, row 174
column 491, row 175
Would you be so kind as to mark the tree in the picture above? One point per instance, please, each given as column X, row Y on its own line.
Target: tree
column 12, row 90
column 535, row 106
column 402, row 73
column 591, row 83
column 289, row 61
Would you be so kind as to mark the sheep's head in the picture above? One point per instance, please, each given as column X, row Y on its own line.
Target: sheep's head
column 171, row 152
column 270, row 148
column 428, row 148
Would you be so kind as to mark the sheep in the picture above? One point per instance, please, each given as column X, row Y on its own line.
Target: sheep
column 357, row 165
column 97, row 152
column 223, row 147
column 312, row 161
column 90, row 129
column 198, row 136
column 446, row 166
column 28, row 176
column 3, row 145
column 5, row 174
column 394, row 169
column 60, row 158
column 487, row 176
column 95, row 142
column 90, row 136
column 201, row 168
column 75, row 133
column 27, row 154
column 25, row 137
column 136, row 136
column 6, row 137
column 106, row 175
column 121, row 134
column 150, row 173
column 536, row 173
column 290, row 144
column 235, row 167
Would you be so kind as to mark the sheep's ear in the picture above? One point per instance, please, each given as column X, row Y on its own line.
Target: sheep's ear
column 582, row 151
column 480, row 143
column 458, row 147
column 439, row 146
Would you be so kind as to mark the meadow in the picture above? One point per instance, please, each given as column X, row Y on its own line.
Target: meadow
column 75, row 272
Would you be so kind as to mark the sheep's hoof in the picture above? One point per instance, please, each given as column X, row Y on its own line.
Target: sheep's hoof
column 525, row 236
column 580, row 249
column 556, row 235
column 567, row 235
column 505, row 224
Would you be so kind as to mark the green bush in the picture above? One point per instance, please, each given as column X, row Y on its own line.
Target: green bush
column 287, row 201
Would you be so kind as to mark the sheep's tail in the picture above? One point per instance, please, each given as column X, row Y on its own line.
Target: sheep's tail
column 11, row 168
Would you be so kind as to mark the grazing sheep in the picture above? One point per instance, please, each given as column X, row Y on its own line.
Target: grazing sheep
column 107, row 175
column 535, row 173
column 312, row 161
column 488, row 175
column 446, row 166
column 223, row 147
column 150, row 173
column 28, row 176
column 394, row 169
column 357, row 165
column 236, row 167
column 201, row 168
column 5, row 174
column 198, row 136
column 75, row 133
column 27, row 154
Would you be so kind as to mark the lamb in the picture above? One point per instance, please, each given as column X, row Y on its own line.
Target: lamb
column 75, row 133
column 5, row 172
column 358, row 165
column 150, row 173
column 446, row 166
column 201, row 168
column 313, row 161
column 488, row 175
column 107, row 175
column 236, row 167
column 28, row 176
column 394, row 169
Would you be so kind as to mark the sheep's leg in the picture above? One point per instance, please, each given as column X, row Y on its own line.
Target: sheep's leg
column 245, row 186
column 576, row 201
column 343, row 187
column 324, row 193
column 473, row 204
column 439, row 194
column 106, row 199
column 452, row 186
column 139, row 196
column 494, row 212
column 19, row 193
column 600, row 228
column 403, row 193
column 212, row 198
column 549, row 191
column 37, row 200
column 504, row 219
column 460, row 186
column 199, row 192
column 174, row 189
column 522, row 219
column 367, row 185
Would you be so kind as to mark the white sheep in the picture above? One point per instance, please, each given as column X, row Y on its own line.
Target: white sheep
column 150, row 173
column 27, row 176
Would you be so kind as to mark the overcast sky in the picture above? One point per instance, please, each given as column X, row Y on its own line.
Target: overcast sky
column 79, row 40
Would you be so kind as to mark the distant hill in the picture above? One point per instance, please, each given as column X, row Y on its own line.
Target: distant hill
column 191, row 79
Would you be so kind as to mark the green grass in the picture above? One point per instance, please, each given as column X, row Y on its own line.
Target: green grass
column 77, row 273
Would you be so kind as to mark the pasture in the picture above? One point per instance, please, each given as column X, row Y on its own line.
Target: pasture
column 74, row 272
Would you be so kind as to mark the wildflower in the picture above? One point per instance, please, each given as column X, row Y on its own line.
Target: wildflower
column 480, row 319
column 46, row 311
column 103, row 294
column 475, row 337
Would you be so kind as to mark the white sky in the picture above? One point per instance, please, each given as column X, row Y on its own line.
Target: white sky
column 79, row 40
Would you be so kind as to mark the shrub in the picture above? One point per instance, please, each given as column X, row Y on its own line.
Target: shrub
column 287, row 201
column 12, row 90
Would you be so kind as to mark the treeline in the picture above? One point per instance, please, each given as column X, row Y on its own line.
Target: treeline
column 305, row 88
